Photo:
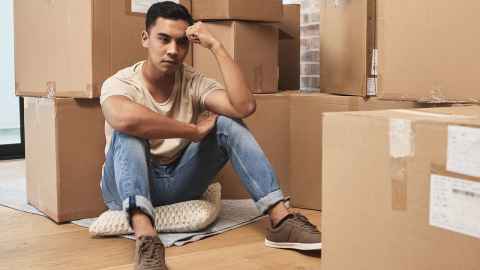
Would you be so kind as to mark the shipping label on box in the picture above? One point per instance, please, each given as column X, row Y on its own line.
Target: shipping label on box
column 455, row 205
column 464, row 150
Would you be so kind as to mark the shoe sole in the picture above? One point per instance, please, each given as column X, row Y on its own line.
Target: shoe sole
column 299, row 246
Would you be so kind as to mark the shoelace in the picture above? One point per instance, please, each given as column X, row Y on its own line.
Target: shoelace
column 305, row 223
column 150, row 249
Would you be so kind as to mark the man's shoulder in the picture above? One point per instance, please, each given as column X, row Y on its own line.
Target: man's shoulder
column 126, row 77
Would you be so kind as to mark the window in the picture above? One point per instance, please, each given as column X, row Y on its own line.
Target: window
column 11, row 107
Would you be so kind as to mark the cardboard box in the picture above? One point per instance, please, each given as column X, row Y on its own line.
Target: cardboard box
column 253, row 46
column 64, row 153
column 245, row 10
column 306, row 114
column 347, row 40
column 402, row 191
column 269, row 125
column 140, row 7
column 288, row 127
column 289, row 48
column 68, row 48
column 429, row 56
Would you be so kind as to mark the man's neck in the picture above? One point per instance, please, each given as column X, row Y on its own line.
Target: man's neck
column 158, row 82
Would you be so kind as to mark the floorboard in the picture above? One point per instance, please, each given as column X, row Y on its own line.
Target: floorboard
column 34, row 242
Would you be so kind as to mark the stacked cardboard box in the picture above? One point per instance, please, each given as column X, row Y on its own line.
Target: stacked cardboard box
column 401, row 193
column 270, row 127
column 64, row 150
column 404, row 192
column 289, row 48
column 306, row 132
column 370, row 48
column 291, row 138
column 64, row 50
column 242, row 27
column 264, row 39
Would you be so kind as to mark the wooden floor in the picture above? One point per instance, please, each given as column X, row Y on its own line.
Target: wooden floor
column 33, row 242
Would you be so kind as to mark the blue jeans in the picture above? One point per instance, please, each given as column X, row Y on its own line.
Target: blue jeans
column 132, row 179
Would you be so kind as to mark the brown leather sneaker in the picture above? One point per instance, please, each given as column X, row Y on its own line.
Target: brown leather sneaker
column 294, row 232
column 149, row 254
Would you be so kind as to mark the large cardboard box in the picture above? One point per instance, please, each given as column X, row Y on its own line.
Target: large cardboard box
column 431, row 55
column 289, row 48
column 64, row 153
column 68, row 48
column 403, row 191
column 306, row 132
column 253, row 46
column 269, row 125
column 245, row 10
column 347, row 40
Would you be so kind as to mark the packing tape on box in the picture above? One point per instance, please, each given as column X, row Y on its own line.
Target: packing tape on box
column 258, row 78
column 51, row 89
column 402, row 148
column 437, row 115
column 401, row 138
column 398, row 176
column 339, row 3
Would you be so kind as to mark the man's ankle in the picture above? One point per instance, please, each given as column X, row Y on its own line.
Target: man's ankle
column 142, row 224
column 277, row 213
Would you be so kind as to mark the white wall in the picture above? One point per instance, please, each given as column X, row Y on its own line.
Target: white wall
column 9, row 114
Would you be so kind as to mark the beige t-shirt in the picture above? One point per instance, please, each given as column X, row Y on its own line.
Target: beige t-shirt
column 185, row 103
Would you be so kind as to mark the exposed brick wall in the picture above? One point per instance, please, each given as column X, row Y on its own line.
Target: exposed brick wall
column 310, row 45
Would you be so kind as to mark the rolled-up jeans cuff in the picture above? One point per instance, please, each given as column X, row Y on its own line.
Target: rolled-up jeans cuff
column 141, row 203
column 271, row 199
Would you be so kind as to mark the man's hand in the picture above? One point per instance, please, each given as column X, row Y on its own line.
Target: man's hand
column 198, row 33
column 204, row 127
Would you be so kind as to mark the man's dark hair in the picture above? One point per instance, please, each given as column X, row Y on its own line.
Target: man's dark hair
column 167, row 10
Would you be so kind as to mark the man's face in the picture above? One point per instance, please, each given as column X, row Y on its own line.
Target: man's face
column 167, row 44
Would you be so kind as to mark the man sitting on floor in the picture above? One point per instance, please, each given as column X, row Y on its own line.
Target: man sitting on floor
column 158, row 150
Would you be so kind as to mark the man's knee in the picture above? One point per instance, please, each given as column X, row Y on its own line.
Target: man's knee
column 227, row 124
column 129, row 143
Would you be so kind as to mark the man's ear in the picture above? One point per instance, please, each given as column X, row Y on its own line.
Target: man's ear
column 145, row 39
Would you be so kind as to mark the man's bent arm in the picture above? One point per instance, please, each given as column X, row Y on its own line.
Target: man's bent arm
column 134, row 119
column 237, row 101
column 238, row 93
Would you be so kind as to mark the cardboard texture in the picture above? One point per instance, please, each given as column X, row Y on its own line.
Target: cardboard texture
column 382, row 202
column 287, row 126
column 429, row 56
column 306, row 114
column 253, row 46
column 289, row 49
column 140, row 7
column 245, row 10
column 64, row 153
column 347, row 39
column 68, row 48
column 269, row 125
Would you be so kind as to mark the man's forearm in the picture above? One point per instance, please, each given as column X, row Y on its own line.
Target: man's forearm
column 238, row 91
column 144, row 123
